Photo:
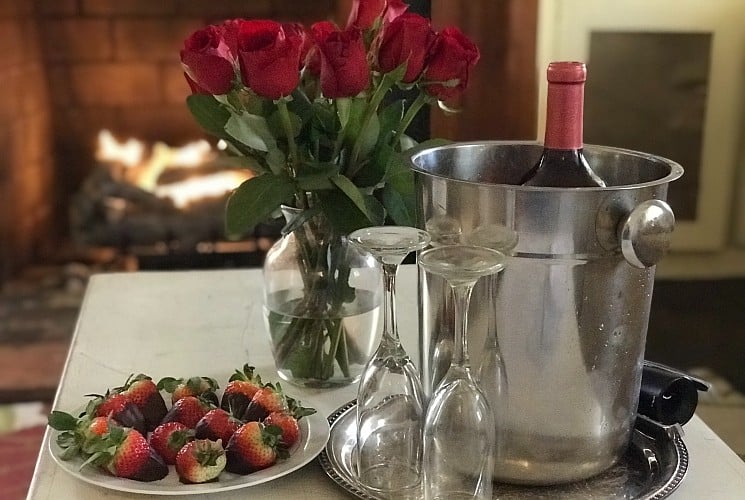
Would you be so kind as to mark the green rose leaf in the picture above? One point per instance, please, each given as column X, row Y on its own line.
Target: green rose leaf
column 369, row 136
column 344, row 109
column 398, row 171
column 251, row 130
column 209, row 113
column 374, row 172
column 275, row 124
column 301, row 105
column 390, row 117
column 348, row 187
column 346, row 216
column 255, row 200
column 397, row 74
column 317, row 176
column 276, row 160
column 400, row 208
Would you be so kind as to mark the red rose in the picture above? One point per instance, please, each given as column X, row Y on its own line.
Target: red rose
column 365, row 12
column 406, row 39
column 393, row 9
column 344, row 69
column 230, row 29
column 269, row 56
column 194, row 86
column 451, row 57
column 207, row 61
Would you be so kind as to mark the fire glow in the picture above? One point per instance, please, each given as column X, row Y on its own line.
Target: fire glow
column 131, row 162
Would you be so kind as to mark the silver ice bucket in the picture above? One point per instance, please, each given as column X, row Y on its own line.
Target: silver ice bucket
column 571, row 308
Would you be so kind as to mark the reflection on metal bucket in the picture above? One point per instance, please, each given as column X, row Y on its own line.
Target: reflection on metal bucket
column 571, row 308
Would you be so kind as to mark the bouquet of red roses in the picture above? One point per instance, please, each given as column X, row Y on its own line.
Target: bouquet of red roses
column 306, row 109
column 313, row 114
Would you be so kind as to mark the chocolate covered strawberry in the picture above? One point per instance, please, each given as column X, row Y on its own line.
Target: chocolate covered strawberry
column 188, row 410
column 126, row 453
column 143, row 392
column 167, row 439
column 200, row 461
column 117, row 407
column 217, row 424
column 241, row 387
column 267, row 400
column 194, row 386
column 253, row 447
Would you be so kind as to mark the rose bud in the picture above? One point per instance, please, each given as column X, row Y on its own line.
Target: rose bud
column 194, row 86
column 451, row 57
column 406, row 40
column 207, row 61
column 344, row 69
column 365, row 12
column 269, row 56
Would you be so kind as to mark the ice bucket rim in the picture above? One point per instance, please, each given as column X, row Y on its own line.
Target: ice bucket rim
column 676, row 170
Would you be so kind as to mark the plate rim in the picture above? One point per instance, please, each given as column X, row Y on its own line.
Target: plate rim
column 314, row 430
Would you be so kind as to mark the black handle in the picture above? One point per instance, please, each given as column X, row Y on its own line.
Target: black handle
column 667, row 395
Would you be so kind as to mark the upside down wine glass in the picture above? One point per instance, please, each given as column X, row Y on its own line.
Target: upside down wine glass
column 390, row 397
column 459, row 428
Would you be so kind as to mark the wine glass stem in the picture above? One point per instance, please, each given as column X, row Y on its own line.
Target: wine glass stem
column 390, row 331
column 462, row 293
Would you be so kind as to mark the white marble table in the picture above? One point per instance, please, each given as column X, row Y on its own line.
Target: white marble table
column 209, row 323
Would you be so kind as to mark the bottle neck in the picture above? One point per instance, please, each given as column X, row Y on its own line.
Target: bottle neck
column 564, row 115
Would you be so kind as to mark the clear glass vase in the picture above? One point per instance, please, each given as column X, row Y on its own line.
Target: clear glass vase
column 321, row 303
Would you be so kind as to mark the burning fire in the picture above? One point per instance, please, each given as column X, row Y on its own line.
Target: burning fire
column 143, row 170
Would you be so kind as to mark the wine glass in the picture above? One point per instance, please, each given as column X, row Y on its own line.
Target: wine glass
column 390, row 397
column 491, row 373
column 459, row 427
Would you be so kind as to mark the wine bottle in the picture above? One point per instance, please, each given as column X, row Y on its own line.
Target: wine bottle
column 563, row 163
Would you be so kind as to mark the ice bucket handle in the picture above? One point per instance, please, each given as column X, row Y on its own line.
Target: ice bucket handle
column 645, row 233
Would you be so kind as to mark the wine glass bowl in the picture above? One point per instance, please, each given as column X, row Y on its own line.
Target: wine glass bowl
column 390, row 400
column 459, row 428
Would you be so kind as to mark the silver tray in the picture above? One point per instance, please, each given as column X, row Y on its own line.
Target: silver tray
column 652, row 467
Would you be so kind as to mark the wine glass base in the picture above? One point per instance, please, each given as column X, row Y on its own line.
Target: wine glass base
column 391, row 479
column 454, row 495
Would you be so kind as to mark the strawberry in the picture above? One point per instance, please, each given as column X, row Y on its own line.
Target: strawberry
column 194, row 386
column 288, row 424
column 143, row 392
column 268, row 399
column 200, row 461
column 167, row 439
column 119, row 408
column 78, row 435
column 98, row 426
column 241, row 387
column 217, row 424
column 253, row 447
column 188, row 410
column 126, row 453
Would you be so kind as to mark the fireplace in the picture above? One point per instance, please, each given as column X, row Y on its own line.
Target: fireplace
column 163, row 206
column 72, row 68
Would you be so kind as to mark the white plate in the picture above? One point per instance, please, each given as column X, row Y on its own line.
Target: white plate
column 314, row 432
